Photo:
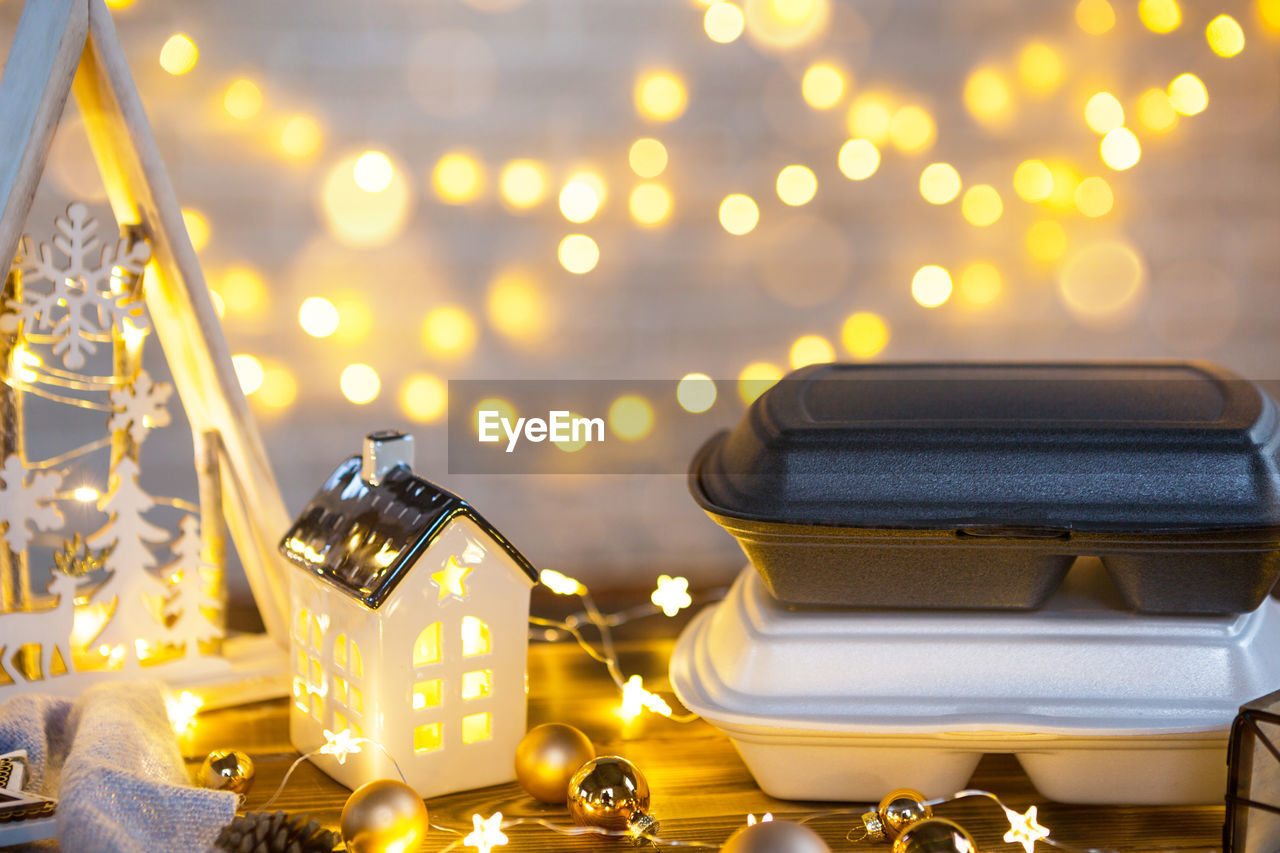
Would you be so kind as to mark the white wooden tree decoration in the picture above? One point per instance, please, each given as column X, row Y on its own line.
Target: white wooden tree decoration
column 76, row 312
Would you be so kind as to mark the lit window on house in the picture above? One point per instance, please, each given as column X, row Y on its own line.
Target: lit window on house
column 315, row 707
column 477, row 684
column 300, row 694
column 316, row 676
column 356, row 731
column 302, row 663
column 475, row 637
column 317, row 632
column 477, row 727
column 340, row 651
column 427, row 737
column 427, row 648
column 426, row 694
column 357, row 701
column 357, row 665
column 301, row 628
column 339, row 721
column 340, row 690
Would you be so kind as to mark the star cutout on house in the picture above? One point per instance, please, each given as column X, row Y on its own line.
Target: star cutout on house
column 486, row 833
column 340, row 744
column 1023, row 829
column 450, row 579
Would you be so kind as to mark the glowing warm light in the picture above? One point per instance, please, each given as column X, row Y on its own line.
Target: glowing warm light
column 279, row 388
column 300, row 136
column 581, row 197
column 1269, row 15
column 1032, row 181
column 340, row 744
column 672, row 594
column 1023, row 829
column 987, row 96
column 648, row 157
column 1094, row 197
column 318, row 317
column 249, row 372
column 1040, row 68
column 931, row 286
column 869, row 118
column 723, row 22
column 243, row 290
column 1155, row 110
column 939, row 183
column 576, row 440
column 756, row 378
column 451, row 580
column 823, row 85
column 650, row 204
column 980, row 283
column 182, row 710
column 1159, row 16
column 578, row 254
column 1101, row 283
column 22, row 363
column 492, row 404
column 739, row 214
column 630, row 417
column 359, row 383
column 516, row 307
column 636, row 699
column 660, row 96
column 1120, row 149
column 796, row 185
column 981, row 205
column 1046, row 241
column 696, row 392
column 523, row 183
column 1188, row 95
column 86, row 494
column 179, row 54
column 243, row 99
column 912, row 129
column 373, row 171
column 785, row 24
column 423, row 397
column 811, row 349
column 449, row 331
column 1095, row 17
column 359, row 217
column 357, row 317
column 561, row 584
column 197, row 228
column 1065, row 180
column 859, row 159
column 864, row 334
column 1103, row 113
column 119, row 4
column 457, row 178
column 1225, row 36
column 767, row 817
column 486, row 833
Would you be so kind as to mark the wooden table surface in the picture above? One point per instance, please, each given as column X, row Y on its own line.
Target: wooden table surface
column 701, row 789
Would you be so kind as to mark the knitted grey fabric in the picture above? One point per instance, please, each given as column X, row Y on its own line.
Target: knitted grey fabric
column 111, row 759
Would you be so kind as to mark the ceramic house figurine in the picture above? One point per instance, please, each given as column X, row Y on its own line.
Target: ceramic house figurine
column 409, row 627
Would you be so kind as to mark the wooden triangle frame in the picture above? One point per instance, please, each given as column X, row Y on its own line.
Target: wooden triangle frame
column 64, row 46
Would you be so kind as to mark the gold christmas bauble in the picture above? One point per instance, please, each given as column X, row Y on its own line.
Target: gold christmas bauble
column 547, row 758
column 611, row 793
column 775, row 836
column 227, row 770
column 383, row 816
column 934, row 835
column 901, row 808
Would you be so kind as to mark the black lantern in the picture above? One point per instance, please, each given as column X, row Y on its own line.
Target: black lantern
column 1253, row 779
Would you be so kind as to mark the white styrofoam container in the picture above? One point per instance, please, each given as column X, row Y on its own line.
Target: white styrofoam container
column 1100, row 705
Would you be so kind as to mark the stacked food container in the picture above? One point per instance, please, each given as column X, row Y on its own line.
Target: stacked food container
column 1070, row 563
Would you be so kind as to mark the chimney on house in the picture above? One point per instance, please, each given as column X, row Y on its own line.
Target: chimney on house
column 384, row 450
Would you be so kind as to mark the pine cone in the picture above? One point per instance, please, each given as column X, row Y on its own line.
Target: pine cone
column 274, row 832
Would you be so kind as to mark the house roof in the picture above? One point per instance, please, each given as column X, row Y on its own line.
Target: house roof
column 363, row 539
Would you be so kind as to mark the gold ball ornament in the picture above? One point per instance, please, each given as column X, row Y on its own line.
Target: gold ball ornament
column 775, row 836
column 611, row 793
column 901, row 808
column 227, row 770
column 547, row 758
column 385, row 816
column 934, row 835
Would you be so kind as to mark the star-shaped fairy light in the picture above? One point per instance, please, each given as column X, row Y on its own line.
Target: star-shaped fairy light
column 672, row 594
column 1023, row 829
column 560, row 584
column 182, row 710
column 635, row 699
column 450, row 579
column 340, row 744
column 486, row 833
column 767, row 817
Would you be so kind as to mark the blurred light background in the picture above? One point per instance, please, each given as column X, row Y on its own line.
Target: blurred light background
column 390, row 194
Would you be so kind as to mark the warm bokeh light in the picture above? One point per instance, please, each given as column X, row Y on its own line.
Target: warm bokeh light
column 1225, row 36
column 660, row 96
column 1188, row 94
column 516, row 308
column 1159, row 16
column 1046, row 241
column 739, row 214
column 1065, row 180
column 581, row 196
column 570, row 445
column 811, row 349
column 86, row 494
column 360, row 383
column 823, row 85
column 1120, row 149
column 756, row 378
column 1103, row 113
column 858, row 159
column 988, row 97
column 243, row 99
column 796, row 185
column 1040, row 67
column 360, row 218
column 931, row 286
column 1094, row 197
column 373, row 171
column 1155, row 110
column 980, row 284
column 318, row 317
column 869, row 117
column 1269, row 15
column 785, row 24
column 448, row 332
column 424, row 398
column 981, row 205
column 523, row 184
column 650, row 204
column 219, row 306
column 457, row 178
column 696, row 392
column 179, row 54
column 864, row 334
column 300, row 136
column 939, row 183
column 1032, row 180
column 197, row 227
column 249, row 372
column 279, row 388
column 1102, row 283
column 1095, row 17
column 630, row 417
column 912, row 129
column 647, row 157
column 357, row 317
column 723, row 22
column 578, row 254
column 504, row 409
column 119, row 4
